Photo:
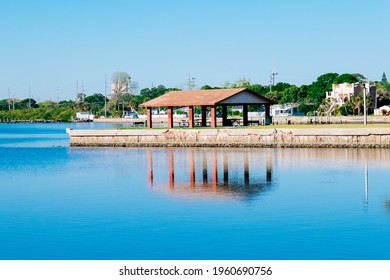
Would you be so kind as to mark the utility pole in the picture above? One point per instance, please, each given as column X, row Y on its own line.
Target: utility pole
column 272, row 80
column 29, row 96
column 9, row 100
column 128, row 84
column 191, row 82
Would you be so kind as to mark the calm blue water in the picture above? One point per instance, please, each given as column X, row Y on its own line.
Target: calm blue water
column 58, row 202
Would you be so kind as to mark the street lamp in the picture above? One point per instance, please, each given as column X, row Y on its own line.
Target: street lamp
column 105, row 96
column 364, row 104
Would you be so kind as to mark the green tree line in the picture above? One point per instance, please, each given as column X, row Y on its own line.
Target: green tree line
column 309, row 98
column 97, row 104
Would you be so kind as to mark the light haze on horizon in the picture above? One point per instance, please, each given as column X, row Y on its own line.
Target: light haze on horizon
column 50, row 45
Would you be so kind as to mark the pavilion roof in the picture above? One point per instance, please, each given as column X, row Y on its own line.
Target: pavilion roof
column 208, row 97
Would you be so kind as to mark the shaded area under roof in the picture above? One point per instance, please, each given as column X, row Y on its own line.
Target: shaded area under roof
column 232, row 96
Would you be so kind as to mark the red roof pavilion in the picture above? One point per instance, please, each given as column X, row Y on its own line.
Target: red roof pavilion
column 207, row 98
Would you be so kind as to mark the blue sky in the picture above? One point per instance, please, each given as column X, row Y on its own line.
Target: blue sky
column 50, row 45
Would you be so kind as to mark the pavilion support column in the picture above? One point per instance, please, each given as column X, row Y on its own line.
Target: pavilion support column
column 171, row 161
column 149, row 116
column 213, row 116
column 224, row 116
column 204, row 115
column 245, row 114
column 170, row 117
column 246, row 169
column 150, row 168
column 191, row 116
column 269, row 168
column 267, row 115
column 205, row 173
column 214, row 169
column 192, row 169
column 225, row 169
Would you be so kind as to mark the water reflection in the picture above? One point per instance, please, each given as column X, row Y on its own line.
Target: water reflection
column 222, row 172
column 366, row 181
column 387, row 205
column 249, row 173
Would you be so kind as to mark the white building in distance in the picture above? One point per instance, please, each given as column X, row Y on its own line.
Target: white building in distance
column 341, row 93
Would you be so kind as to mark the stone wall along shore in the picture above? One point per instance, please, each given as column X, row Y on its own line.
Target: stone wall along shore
column 234, row 137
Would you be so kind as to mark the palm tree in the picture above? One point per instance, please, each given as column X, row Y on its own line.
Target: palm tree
column 356, row 103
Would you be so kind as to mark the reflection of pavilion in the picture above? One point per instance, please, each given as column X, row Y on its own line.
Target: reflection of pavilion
column 366, row 181
column 220, row 172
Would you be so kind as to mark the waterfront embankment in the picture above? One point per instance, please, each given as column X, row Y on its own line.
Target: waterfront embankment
column 234, row 137
column 279, row 120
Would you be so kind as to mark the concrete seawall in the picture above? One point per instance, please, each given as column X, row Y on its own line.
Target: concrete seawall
column 235, row 137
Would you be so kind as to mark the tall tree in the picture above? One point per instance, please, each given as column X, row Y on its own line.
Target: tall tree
column 346, row 78
column 242, row 83
column 360, row 78
column 384, row 79
column 95, row 101
column 316, row 91
column 151, row 93
column 120, row 84
column 383, row 94
column 281, row 86
column 4, row 105
column 290, row 95
column 209, row 87
column 26, row 103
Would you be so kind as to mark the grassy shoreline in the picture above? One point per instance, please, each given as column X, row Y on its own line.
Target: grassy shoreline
column 280, row 126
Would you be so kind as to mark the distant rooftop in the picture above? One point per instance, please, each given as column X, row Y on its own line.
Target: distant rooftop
column 231, row 96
